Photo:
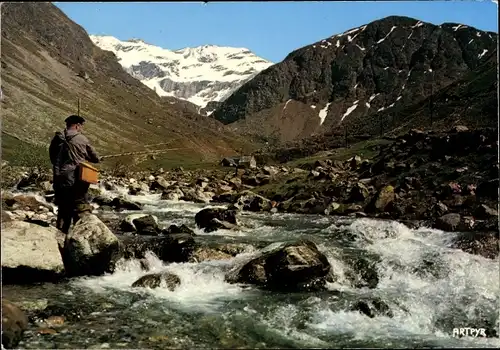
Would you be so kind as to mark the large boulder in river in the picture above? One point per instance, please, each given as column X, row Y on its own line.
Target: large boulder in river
column 30, row 253
column 172, row 229
column 146, row 225
column 142, row 224
column 90, row 248
column 175, row 247
column 14, row 323
column 292, row 266
column 212, row 219
column 155, row 280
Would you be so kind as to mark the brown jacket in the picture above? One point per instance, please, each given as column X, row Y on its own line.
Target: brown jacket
column 68, row 149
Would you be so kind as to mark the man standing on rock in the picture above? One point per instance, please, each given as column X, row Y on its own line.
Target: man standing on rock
column 67, row 150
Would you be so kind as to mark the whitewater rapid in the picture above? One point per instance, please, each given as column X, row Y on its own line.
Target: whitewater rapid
column 429, row 288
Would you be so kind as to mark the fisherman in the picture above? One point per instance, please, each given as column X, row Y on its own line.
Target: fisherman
column 67, row 150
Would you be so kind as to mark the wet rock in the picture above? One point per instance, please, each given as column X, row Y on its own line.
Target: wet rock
column 72, row 312
column 449, row 222
column 381, row 200
column 176, row 247
column 143, row 224
column 361, row 269
column 250, row 201
column 485, row 212
column 127, row 226
column 208, row 253
column 293, row 266
column 146, row 225
column 90, row 248
column 372, row 308
column 14, row 323
column 212, row 219
column 103, row 200
column 219, row 252
column 30, row 253
column 121, row 203
column 155, row 280
column 172, row 229
column 478, row 243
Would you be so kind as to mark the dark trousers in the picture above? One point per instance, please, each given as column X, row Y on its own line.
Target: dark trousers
column 69, row 201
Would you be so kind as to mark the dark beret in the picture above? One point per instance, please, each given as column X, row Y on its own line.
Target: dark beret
column 74, row 119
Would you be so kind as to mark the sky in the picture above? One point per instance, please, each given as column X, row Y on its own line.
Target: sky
column 270, row 29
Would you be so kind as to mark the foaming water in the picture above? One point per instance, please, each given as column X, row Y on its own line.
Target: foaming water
column 202, row 285
column 428, row 287
column 437, row 287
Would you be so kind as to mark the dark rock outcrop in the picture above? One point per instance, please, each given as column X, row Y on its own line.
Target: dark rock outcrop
column 293, row 266
column 146, row 225
column 175, row 247
column 213, row 219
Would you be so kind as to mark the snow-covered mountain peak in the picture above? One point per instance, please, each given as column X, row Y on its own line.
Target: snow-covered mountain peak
column 196, row 74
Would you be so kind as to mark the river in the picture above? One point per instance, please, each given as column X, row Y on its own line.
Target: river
column 429, row 288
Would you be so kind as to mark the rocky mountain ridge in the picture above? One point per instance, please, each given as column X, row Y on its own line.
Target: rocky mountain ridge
column 372, row 70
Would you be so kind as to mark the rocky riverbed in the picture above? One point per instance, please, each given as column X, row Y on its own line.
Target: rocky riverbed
column 270, row 257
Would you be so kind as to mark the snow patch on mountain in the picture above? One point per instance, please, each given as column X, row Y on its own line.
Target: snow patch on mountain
column 198, row 75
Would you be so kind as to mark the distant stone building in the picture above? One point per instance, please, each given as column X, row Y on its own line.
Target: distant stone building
column 247, row 162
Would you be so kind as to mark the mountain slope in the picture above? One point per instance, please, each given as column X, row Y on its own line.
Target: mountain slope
column 48, row 62
column 376, row 69
column 198, row 75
